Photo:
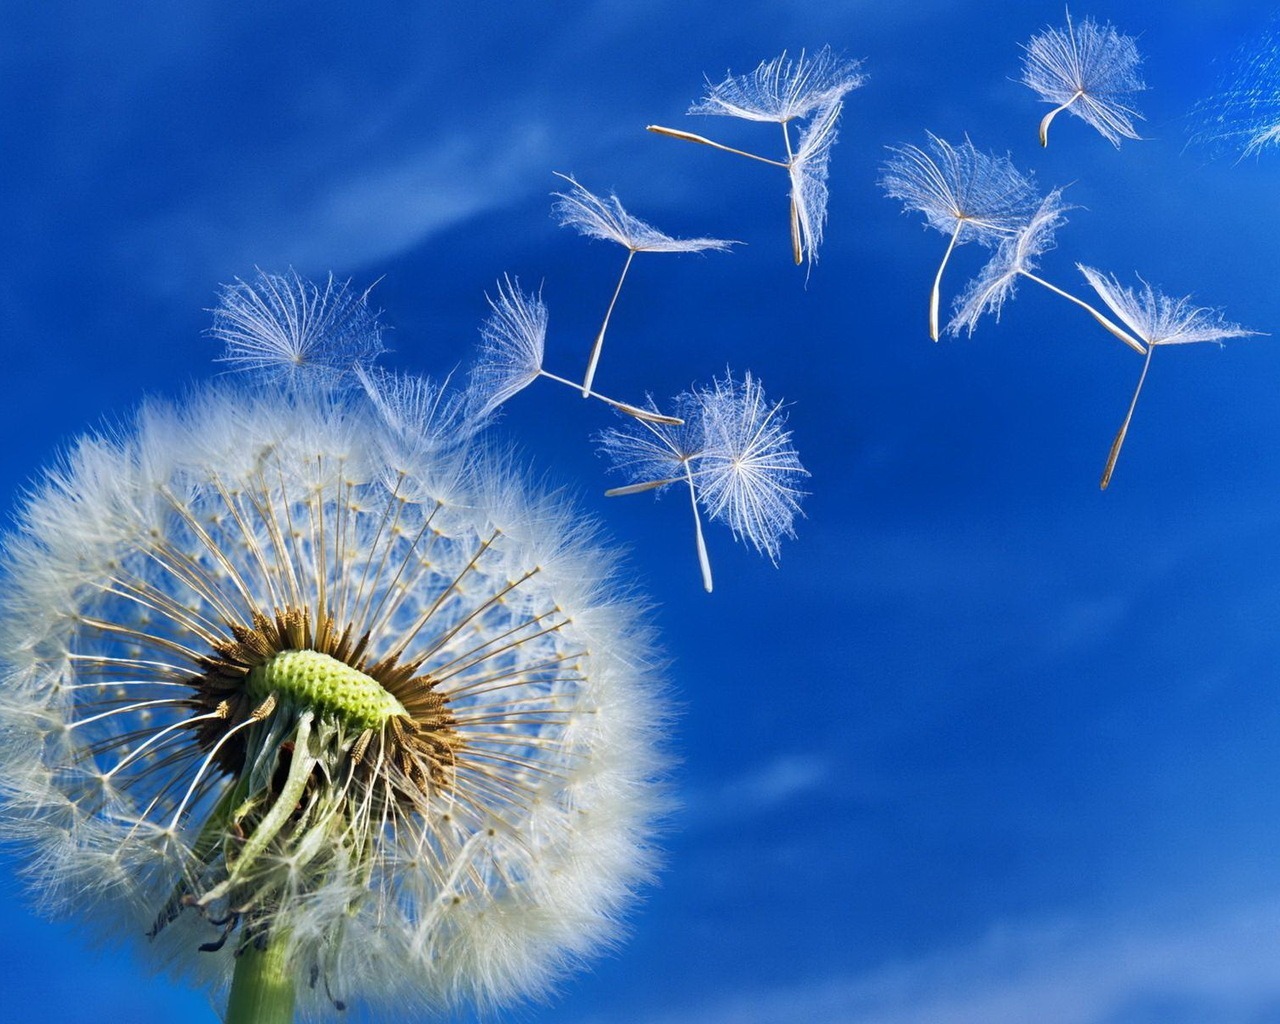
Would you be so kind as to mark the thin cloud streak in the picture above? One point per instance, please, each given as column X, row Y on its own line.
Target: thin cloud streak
column 785, row 778
column 1222, row 968
column 368, row 216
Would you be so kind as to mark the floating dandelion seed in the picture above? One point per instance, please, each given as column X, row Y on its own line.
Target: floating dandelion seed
column 1158, row 320
column 658, row 455
column 1016, row 257
column 286, row 329
column 734, row 454
column 1088, row 71
column 749, row 467
column 606, row 219
column 513, row 340
column 782, row 90
column 965, row 194
column 328, row 712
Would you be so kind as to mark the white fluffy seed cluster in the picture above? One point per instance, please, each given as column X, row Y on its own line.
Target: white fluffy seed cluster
column 482, row 883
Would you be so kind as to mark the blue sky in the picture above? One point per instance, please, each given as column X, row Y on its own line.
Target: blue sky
column 989, row 745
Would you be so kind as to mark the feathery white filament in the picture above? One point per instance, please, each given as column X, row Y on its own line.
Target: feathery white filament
column 284, row 328
column 783, row 89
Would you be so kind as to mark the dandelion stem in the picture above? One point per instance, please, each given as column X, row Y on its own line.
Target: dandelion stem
column 690, row 137
column 630, row 410
column 1110, row 325
column 1044, row 122
column 1114, row 454
column 937, row 281
column 262, row 986
column 595, row 351
column 704, row 561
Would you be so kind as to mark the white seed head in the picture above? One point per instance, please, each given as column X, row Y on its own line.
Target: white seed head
column 267, row 672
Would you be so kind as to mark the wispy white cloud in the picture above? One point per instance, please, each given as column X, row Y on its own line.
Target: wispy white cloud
column 760, row 790
column 366, row 214
column 1220, row 968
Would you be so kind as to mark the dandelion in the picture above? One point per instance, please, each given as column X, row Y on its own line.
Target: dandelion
column 1016, row 257
column 1089, row 71
column 733, row 452
column 782, row 90
column 290, row 330
column 606, row 219
column 965, row 194
column 513, row 341
column 327, row 712
column 1158, row 320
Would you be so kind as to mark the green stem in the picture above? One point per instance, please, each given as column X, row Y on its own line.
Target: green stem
column 262, row 987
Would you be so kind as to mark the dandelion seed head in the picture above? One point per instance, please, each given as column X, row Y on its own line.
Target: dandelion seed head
column 783, row 89
column 287, row 330
column 588, row 214
column 1159, row 319
column 265, row 678
column 959, row 185
column 1093, row 68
